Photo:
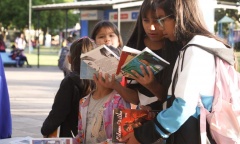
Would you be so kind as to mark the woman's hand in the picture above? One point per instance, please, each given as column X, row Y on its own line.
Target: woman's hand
column 147, row 80
column 130, row 139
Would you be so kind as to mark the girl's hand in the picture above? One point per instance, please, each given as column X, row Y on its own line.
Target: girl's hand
column 95, row 78
column 129, row 139
column 106, row 81
column 148, row 108
column 147, row 80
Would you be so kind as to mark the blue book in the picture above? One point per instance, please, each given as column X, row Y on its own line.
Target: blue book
column 146, row 58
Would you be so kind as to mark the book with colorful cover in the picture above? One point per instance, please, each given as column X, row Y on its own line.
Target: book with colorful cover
column 51, row 141
column 125, row 120
column 30, row 140
column 126, row 55
column 101, row 59
column 146, row 58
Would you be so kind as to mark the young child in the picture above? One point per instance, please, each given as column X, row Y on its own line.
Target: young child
column 63, row 63
column 96, row 109
column 65, row 108
column 105, row 32
column 95, row 115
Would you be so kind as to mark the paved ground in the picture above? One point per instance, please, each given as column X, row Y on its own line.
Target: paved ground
column 31, row 91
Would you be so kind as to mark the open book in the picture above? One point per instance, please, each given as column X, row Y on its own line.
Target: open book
column 126, row 55
column 125, row 120
column 146, row 58
column 101, row 59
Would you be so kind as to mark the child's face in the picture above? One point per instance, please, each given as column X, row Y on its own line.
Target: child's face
column 108, row 37
column 168, row 25
column 151, row 27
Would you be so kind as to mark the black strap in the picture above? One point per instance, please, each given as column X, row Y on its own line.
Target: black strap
column 161, row 127
column 175, row 78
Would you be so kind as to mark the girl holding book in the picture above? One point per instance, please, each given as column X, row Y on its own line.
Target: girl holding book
column 148, row 34
column 148, row 88
column 106, row 32
column 64, row 113
column 96, row 109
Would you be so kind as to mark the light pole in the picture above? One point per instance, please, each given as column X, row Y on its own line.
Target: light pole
column 29, row 25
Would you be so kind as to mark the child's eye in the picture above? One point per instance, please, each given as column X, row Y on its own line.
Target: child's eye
column 146, row 20
column 112, row 35
column 155, row 20
column 101, row 37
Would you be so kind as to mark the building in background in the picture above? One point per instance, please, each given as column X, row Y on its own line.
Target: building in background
column 125, row 12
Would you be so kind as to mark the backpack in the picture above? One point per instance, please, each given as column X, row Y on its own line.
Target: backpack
column 224, row 118
column 63, row 54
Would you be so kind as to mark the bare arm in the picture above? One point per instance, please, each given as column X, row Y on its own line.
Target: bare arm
column 127, row 94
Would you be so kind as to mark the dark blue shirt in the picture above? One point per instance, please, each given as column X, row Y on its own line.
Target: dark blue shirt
column 5, row 114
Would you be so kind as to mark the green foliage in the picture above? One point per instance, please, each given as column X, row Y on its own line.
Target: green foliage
column 15, row 14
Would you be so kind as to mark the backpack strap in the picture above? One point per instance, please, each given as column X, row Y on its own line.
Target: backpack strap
column 203, row 110
column 225, row 54
column 175, row 77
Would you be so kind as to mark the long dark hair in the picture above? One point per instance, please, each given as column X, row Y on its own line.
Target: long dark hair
column 106, row 24
column 188, row 17
column 138, row 34
column 78, row 47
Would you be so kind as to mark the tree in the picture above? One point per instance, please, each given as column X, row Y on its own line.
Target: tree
column 15, row 13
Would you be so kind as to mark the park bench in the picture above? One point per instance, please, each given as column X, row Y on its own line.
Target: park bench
column 7, row 60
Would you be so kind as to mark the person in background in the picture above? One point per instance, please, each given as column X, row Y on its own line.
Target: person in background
column 2, row 44
column 63, row 63
column 16, row 54
column 20, row 45
column 64, row 113
column 20, row 42
column 193, row 76
column 5, row 113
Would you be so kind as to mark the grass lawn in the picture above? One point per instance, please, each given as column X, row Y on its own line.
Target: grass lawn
column 47, row 56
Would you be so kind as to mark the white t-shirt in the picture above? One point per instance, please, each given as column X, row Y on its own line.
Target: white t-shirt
column 21, row 44
column 95, row 132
